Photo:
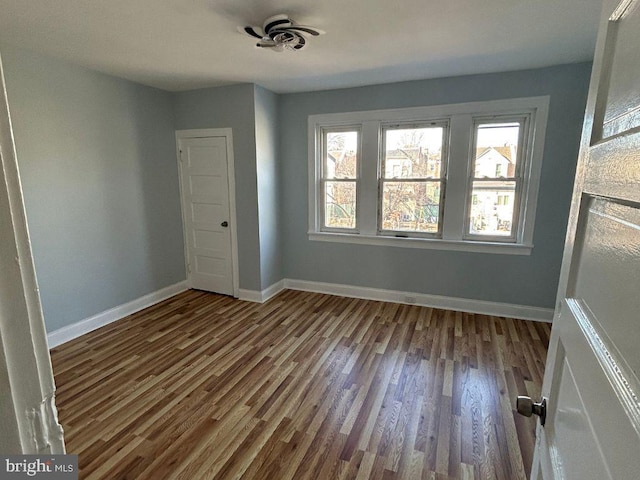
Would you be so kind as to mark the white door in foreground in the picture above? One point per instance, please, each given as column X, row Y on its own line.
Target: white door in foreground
column 205, row 187
column 592, row 428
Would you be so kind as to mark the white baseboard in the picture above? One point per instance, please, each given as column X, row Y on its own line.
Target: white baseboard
column 524, row 312
column 499, row 309
column 261, row 296
column 65, row 334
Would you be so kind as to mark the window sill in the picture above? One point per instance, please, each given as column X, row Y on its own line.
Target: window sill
column 435, row 244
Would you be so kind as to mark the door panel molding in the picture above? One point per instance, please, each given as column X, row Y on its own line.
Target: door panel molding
column 608, row 124
column 608, row 224
column 621, row 378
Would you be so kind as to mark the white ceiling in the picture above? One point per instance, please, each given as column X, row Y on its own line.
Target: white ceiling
column 185, row 44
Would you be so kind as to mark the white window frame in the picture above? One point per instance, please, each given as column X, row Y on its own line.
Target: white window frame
column 522, row 161
column 461, row 119
column 323, row 180
column 444, row 124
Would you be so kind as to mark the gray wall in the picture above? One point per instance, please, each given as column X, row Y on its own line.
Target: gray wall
column 233, row 107
column 266, row 120
column 525, row 280
column 100, row 179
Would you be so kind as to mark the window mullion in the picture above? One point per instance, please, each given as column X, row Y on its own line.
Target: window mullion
column 457, row 177
column 368, row 184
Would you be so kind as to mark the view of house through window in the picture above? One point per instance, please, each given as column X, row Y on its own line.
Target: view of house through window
column 411, row 183
column 340, row 172
column 461, row 176
column 494, row 182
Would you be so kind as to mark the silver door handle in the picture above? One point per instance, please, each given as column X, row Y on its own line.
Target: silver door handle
column 527, row 407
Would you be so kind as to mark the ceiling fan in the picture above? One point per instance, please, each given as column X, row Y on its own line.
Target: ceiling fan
column 280, row 32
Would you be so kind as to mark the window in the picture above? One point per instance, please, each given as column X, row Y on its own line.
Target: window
column 497, row 144
column 411, row 180
column 461, row 177
column 340, row 149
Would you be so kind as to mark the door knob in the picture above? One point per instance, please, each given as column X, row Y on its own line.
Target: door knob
column 224, row 224
column 527, row 407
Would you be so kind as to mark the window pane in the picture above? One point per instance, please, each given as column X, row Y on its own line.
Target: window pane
column 492, row 208
column 340, row 205
column 342, row 155
column 411, row 206
column 413, row 152
column 496, row 150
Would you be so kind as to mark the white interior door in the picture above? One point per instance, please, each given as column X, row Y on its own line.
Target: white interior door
column 207, row 215
column 592, row 428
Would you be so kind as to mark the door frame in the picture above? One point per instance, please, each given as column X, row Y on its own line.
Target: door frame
column 25, row 362
column 231, row 181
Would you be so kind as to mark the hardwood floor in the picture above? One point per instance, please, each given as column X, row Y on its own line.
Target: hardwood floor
column 304, row 386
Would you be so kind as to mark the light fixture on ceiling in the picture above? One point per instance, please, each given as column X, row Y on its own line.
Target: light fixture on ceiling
column 280, row 32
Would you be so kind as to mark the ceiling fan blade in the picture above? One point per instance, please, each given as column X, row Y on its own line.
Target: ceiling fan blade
column 276, row 21
column 266, row 43
column 311, row 30
column 301, row 42
column 253, row 31
column 274, row 47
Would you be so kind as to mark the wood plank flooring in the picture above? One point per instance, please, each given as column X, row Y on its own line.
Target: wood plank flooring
column 305, row 386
